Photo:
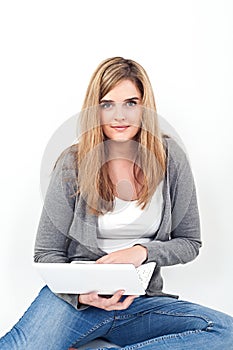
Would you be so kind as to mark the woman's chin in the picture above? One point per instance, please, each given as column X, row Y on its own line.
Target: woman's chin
column 120, row 139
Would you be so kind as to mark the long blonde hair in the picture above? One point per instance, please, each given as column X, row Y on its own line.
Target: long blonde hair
column 94, row 183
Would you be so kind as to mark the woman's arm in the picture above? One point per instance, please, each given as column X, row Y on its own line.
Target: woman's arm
column 56, row 218
column 57, row 213
column 184, row 240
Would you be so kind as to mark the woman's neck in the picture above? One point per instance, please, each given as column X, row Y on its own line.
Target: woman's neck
column 121, row 149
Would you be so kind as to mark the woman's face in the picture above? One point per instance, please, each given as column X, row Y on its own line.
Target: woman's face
column 121, row 112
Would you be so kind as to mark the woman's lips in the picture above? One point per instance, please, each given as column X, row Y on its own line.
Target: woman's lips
column 120, row 127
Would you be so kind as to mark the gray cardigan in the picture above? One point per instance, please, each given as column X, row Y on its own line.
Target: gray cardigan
column 68, row 232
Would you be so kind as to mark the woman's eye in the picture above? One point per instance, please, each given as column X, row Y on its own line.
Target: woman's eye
column 106, row 105
column 131, row 103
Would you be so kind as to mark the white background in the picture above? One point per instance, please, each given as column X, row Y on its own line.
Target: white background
column 49, row 50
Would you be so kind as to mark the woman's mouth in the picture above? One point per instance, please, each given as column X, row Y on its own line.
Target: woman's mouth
column 120, row 127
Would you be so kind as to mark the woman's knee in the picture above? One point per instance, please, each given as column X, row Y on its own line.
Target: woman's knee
column 221, row 327
column 47, row 315
column 217, row 323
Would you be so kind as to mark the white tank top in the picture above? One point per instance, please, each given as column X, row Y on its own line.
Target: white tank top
column 128, row 224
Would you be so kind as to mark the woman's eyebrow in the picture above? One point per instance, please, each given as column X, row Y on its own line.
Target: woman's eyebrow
column 131, row 98
column 106, row 101
column 127, row 99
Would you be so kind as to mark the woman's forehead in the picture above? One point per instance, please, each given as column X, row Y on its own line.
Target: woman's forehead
column 125, row 89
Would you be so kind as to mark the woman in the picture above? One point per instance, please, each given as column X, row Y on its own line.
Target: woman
column 123, row 194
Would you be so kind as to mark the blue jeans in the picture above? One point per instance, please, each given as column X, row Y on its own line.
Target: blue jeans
column 149, row 323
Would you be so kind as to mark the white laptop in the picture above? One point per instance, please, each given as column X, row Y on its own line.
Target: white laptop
column 86, row 276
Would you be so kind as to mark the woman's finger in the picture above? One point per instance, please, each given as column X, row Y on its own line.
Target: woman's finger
column 122, row 305
column 113, row 303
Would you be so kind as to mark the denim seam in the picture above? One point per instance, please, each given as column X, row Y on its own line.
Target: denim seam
column 150, row 341
column 129, row 316
column 210, row 323
column 179, row 314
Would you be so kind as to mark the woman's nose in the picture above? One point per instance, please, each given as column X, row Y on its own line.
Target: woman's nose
column 119, row 115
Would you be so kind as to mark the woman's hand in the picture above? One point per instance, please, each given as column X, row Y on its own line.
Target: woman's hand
column 108, row 304
column 135, row 255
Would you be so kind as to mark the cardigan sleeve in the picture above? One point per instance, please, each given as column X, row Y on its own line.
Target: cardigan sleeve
column 57, row 214
column 182, row 242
